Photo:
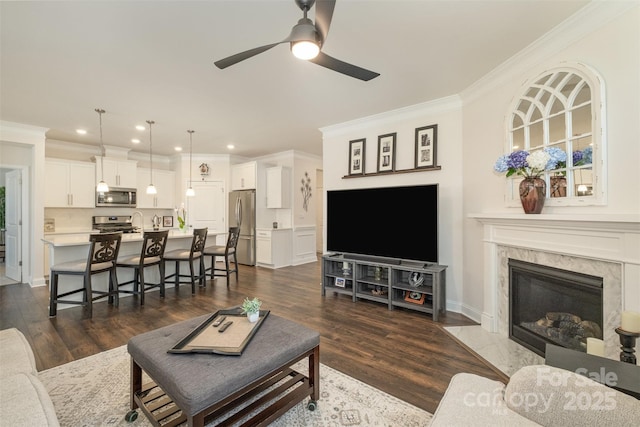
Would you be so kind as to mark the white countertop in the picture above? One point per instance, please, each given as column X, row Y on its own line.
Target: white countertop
column 80, row 239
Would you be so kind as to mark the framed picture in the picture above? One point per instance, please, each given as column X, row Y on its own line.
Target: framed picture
column 426, row 146
column 414, row 297
column 356, row 156
column 387, row 152
column 167, row 221
column 340, row 282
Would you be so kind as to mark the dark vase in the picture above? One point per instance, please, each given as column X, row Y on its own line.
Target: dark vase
column 532, row 194
column 558, row 186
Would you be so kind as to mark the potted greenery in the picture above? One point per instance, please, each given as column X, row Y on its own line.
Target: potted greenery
column 252, row 308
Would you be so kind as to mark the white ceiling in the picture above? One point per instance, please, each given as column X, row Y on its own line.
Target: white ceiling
column 153, row 60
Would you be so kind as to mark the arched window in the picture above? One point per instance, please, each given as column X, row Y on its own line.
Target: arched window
column 563, row 108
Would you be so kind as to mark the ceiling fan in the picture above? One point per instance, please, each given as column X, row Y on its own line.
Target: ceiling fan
column 306, row 41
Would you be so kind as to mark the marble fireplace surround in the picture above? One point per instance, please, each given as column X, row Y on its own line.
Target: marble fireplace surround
column 606, row 246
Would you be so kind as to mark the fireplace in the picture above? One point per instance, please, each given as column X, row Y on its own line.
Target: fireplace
column 552, row 305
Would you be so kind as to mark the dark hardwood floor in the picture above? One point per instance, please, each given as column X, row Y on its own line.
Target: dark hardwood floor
column 402, row 352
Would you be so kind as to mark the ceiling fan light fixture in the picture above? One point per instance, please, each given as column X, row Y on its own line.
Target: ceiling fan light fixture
column 305, row 49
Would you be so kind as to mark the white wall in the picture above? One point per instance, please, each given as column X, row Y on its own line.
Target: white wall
column 447, row 114
column 611, row 46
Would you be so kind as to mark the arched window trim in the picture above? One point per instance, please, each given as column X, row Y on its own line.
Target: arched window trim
column 589, row 77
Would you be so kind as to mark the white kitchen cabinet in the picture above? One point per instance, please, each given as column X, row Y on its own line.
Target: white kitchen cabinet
column 164, row 181
column 243, row 176
column 273, row 247
column 117, row 173
column 278, row 187
column 69, row 184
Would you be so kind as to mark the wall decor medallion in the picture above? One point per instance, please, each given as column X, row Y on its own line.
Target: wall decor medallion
column 426, row 146
column 356, row 156
column 387, row 152
column 204, row 170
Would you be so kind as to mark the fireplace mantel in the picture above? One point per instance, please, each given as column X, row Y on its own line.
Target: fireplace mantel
column 621, row 222
column 613, row 238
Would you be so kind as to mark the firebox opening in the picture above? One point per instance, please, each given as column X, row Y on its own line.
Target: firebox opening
column 551, row 305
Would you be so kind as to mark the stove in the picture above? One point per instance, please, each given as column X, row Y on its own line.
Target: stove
column 110, row 224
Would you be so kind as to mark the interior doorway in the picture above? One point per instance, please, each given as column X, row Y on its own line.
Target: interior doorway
column 10, row 226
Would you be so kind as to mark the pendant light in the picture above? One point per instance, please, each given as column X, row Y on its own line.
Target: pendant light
column 151, row 189
column 102, row 186
column 190, row 192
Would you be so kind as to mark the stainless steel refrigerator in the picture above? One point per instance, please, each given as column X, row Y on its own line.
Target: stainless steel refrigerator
column 242, row 213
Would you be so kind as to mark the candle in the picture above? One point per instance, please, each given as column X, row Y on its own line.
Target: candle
column 345, row 265
column 630, row 321
column 595, row 347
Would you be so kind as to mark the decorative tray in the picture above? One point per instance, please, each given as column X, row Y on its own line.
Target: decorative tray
column 213, row 337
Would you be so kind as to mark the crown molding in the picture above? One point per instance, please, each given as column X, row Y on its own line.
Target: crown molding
column 437, row 106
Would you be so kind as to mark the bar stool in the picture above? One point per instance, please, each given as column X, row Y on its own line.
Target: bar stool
column 103, row 252
column 227, row 252
column 152, row 254
column 188, row 255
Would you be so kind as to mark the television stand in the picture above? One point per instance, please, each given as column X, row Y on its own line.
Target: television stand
column 397, row 283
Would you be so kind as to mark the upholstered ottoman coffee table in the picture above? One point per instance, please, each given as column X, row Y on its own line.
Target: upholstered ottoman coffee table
column 199, row 388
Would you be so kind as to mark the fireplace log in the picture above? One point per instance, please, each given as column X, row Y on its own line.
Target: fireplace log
column 565, row 329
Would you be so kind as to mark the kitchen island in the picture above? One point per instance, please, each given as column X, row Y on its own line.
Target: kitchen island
column 71, row 247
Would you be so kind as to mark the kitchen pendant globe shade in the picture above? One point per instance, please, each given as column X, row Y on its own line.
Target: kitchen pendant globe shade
column 190, row 192
column 151, row 189
column 102, row 187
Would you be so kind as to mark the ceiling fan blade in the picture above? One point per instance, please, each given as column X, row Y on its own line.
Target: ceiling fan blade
column 344, row 68
column 234, row 59
column 324, row 13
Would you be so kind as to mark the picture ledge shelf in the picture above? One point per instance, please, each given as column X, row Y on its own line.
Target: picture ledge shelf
column 434, row 168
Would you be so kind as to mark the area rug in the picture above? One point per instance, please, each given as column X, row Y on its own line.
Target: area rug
column 94, row 391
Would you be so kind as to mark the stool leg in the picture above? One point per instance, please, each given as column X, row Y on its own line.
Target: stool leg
column 88, row 293
column 193, row 277
column 142, row 284
column 162, row 272
column 203, row 272
column 177, row 276
column 113, row 287
column 226, row 265
column 235, row 261
column 53, row 298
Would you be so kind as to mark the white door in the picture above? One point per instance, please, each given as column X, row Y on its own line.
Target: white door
column 13, row 224
column 207, row 207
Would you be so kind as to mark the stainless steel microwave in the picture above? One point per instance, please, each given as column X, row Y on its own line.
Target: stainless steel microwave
column 117, row 197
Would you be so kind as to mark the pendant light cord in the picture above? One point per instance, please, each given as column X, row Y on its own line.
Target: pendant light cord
column 150, row 122
column 100, row 112
column 190, row 154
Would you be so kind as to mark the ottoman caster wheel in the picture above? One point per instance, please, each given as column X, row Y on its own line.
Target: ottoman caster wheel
column 312, row 405
column 131, row 416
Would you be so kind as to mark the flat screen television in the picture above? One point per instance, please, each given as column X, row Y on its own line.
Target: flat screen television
column 400, row 223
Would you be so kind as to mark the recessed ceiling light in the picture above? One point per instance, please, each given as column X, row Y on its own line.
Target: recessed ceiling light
column 231, row 146
column 135, row 141
column 81, row 131
column 178, row 148
column 140, row 127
